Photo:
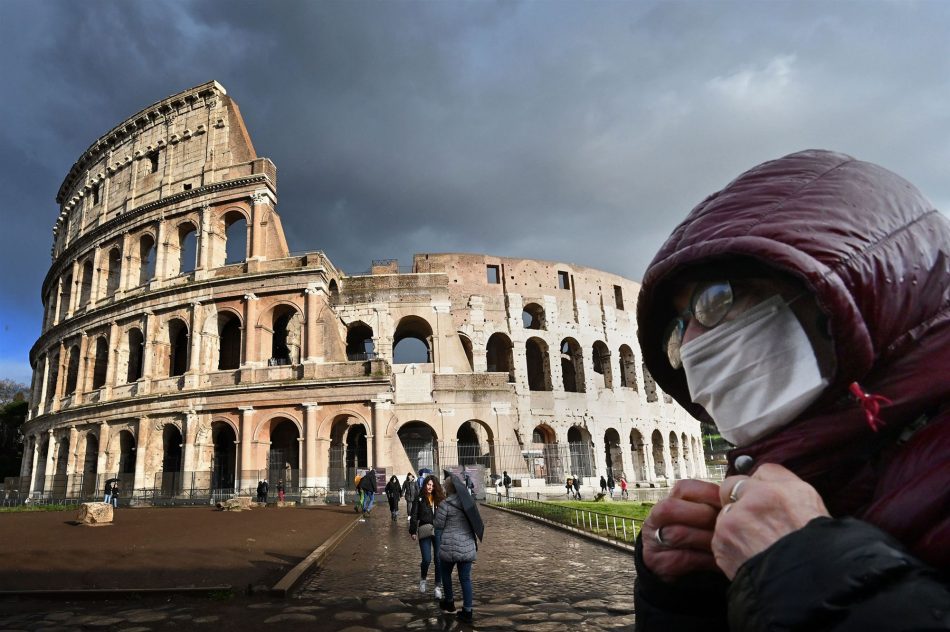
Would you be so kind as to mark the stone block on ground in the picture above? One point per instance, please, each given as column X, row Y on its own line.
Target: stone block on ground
column 238, row 503
column 286, row 503
column 95, row 514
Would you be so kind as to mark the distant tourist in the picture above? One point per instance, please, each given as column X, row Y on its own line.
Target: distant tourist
column 422, row 529
column 569, row 486
column 280, row 491
column 458, row 548
column 577, row 488
column 611, row 484
column 265, row 487
column 507, row 482
column 358, row 503
column 409, row 491
column 368, row 485
column 623, row 487
column 603, row 485
column 114, row 494
column 260, row 491
column 393, row 494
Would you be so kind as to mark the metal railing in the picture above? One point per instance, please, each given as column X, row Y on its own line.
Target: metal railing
column 617, row 528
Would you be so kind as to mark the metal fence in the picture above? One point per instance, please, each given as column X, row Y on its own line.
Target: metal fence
column 613, row 527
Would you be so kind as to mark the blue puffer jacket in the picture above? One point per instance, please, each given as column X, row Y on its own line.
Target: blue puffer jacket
column 458, row 540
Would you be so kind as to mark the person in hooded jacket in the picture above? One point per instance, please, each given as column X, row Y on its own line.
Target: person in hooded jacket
column 409, row 490
column 457, row 549
column 367, row 485
column 393, row 494
column 805, row 309
column 422, row 529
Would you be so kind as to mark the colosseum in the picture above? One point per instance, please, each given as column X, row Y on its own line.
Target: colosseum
column 187, row 352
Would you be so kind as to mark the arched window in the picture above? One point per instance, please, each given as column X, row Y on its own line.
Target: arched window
column 572, row 366
column 359, row 342
column 85, row 289
column 113, row 271
column 467, row 348
column 285, row 339
column 188, row 247
column 72, row 370
column 178, row 347
column 101, row 363
column 602, row 368
column 498, row 354
column 229, row 341
column 412, row 341
column 628, row 368
column 539, row 367
column 136, row 348
column 334, row 292
column 235, row 234
column 146, row 259
column 64, row 295
column 649, row 385
column 533, row 316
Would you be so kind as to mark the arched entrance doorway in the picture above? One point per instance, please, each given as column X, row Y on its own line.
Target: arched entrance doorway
column 283, row 459
column 544, row 440
column 348, row 451
column 171, row 460
column 639, row 456
column 421, row 445
column 579, row 445
column 612, row 453
column 89, row 464
column 223, row 463
column 126, row 468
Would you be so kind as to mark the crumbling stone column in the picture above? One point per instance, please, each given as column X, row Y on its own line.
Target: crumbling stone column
column 188, row 439
column 81, row 386
column 246, row 458
column 309, row 474
column 310, row 301
column 102, row 459
column 141, row 443
column 161, row 253
column 71, row 461
column 96, row 273
column 52, row 447
column 250, row 330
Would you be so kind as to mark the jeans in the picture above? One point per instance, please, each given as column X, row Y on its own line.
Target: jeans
column 465, row 579
column 108, row 498
column 430, row 550
column 368, row 501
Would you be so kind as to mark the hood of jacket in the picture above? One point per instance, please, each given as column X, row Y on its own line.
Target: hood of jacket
column 874, row 253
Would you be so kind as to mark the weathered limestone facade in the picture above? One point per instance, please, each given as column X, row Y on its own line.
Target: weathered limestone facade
column 183, row 344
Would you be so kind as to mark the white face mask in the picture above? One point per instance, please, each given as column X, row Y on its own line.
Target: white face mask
column 754, row 374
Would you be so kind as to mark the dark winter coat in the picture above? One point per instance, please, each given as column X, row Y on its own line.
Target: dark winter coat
column 393, row 489
column 874, row 253
column 458, row 539
column 420, row 513
column 410, row 489
column 368, row 482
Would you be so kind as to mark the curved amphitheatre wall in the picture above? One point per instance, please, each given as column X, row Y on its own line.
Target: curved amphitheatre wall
column 183, row 345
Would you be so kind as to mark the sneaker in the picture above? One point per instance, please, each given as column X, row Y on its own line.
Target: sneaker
column 448, row 605
column 422, row 585
column 465, row 616
column 438, row 592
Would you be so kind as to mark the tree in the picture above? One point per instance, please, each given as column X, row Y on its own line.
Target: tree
column 13, row 408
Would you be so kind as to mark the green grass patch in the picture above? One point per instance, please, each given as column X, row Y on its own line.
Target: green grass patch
column 25, row 508
column 627, row 509
column 615, row 520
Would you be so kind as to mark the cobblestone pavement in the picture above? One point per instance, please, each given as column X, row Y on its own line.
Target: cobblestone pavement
column 528, row 577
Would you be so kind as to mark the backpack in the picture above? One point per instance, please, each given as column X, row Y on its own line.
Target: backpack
column 507, row 482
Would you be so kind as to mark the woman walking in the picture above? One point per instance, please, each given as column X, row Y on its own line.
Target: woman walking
column 422, row 529
column 410, row 489
column 393, row 494
column 458, row 548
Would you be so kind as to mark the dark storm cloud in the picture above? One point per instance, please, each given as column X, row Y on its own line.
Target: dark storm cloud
column 578, row 132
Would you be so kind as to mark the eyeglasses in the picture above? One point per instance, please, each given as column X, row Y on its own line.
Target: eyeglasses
column 709, row 305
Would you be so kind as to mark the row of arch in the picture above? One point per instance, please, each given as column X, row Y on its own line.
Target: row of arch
column 91, row 280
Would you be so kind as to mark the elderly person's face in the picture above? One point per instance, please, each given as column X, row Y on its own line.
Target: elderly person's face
column 704, row 305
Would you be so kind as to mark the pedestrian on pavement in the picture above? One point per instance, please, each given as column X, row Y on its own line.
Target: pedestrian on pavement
column 358, row 501
column 458, row 549
column 805, row 310
column 368, row 486
column 611, row 484
column 280, row 490
column 469, row 484
column 577, row 488
column 410, row 490
column 422, row 529
column 569, row 485
column 603, row 485
column 393, row 494
column 260, row 491
column 114, row 494
column 507, row 483
column 265, row 488
column 623, row 487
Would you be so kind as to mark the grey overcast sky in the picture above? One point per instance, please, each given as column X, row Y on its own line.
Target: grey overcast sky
column 579, row 132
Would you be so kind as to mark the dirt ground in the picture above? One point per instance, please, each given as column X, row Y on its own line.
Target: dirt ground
column 161, row 547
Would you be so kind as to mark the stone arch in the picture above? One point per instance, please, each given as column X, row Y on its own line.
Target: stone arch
column 284, row 451
column 533, row 317
column 182, row 250
column 54, row 361
column 539, row 365
column 133, row 355
column 613, row 453
column 85, row 285
column 222, row 340
column 638, row 454
column 359, row 342
column 349, row 449
column 283, row 333
column 39, row 476
column 499, row 355
column 72, row 369
column 176, row 331
column 659, row 462
column 146, row 258
column 475, row 444
column 628, row 368
column 224, row 454
column 580, row 448
column 675, row 456
column 113, row 270
column 412, row 341
column 544, row 439
column 649, row 385
column 421, row 445
column 89, row 464
column 236, row 230
column 65, row 293
column 685, row 446
column 60, row 465
column 334, row 291
column 572, row 366
column 170, row 482
column 603, row 371
column 100, row 363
